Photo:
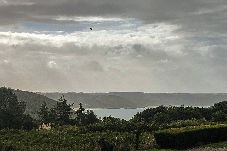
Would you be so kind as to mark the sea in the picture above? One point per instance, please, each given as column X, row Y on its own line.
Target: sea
column 122, row 113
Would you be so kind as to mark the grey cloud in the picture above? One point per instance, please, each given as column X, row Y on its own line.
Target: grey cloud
column 93, row 66
column 26, row 67
column 149, row 53
column 195, row 17
column 148, row 10
column 200, row 65
column 199, row 69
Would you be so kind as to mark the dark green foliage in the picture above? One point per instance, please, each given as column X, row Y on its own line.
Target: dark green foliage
column 57, row 116
column 219, row 116
column 191, row 136
column 221, row 106
column 7, row 147
column 44, row 114
column 28, row 123
column 64, row 140
column 80, row 110
column 86, row 118
column 11, row 111
column 164, row 115
column 110, row 124
column 117, row 125
column 62, row 112
column 9, row 102
column 219, row 112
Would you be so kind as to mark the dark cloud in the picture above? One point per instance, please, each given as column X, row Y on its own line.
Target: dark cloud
column 147, row 10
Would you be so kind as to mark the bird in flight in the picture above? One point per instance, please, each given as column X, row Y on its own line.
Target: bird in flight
column 91, row 29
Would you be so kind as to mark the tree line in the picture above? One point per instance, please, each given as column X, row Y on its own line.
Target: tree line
column 12, row 116
column 63, row 114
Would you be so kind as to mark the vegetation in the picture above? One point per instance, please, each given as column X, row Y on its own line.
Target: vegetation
column 191, row 136
column 11, row 112
column 63, row 114
column 33, row 101
column 163, row 115
column 176, row 127
column 65, row 139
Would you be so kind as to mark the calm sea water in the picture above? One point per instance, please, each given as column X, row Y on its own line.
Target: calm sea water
column 122, row 113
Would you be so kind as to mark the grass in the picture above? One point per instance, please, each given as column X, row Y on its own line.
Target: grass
column 218, row 145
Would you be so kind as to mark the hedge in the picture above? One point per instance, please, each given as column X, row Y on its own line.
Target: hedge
column 63, row 139
column 187, row 137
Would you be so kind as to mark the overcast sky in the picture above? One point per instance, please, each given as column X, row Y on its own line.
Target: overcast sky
column 135, row 45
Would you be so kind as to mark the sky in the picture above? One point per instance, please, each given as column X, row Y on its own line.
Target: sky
column 135, row 45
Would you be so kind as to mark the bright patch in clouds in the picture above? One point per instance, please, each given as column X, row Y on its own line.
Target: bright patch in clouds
column 52, row 64
column 145, row 35
column 87, row 19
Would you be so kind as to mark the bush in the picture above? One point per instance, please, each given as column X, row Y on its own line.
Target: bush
column 7, row 147
column 190, row 136
column 185, row 123
column 63, row 139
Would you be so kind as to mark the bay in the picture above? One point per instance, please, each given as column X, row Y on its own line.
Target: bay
column 122, row 113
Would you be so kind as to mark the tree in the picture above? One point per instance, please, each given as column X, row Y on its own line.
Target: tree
column 85, row 118
column 221, row 106
column 219, row 116
column 62, row 112
column 62, row 115
column 28, row 123
column 44, row 114
column 12, row 111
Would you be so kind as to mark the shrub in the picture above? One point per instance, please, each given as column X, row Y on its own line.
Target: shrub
column 190, row 136
column 63, row 139
column 7, row 147
column 185, row 123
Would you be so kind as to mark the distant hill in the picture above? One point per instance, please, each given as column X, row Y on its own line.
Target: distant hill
column 139, row 99
column 118, row 99
column 94, row 100
column 33, row 101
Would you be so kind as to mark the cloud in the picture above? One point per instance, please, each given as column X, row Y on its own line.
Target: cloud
column 52, row 64
column 147, row 10
column 146, row 34
column 152, row 57
column 145, row 45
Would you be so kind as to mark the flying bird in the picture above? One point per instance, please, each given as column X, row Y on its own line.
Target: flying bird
column 91, row 29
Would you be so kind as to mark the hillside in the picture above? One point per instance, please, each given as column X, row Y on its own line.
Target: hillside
column 94, row 100
column 33, row 101
column 118, row 99
column 139, row 99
